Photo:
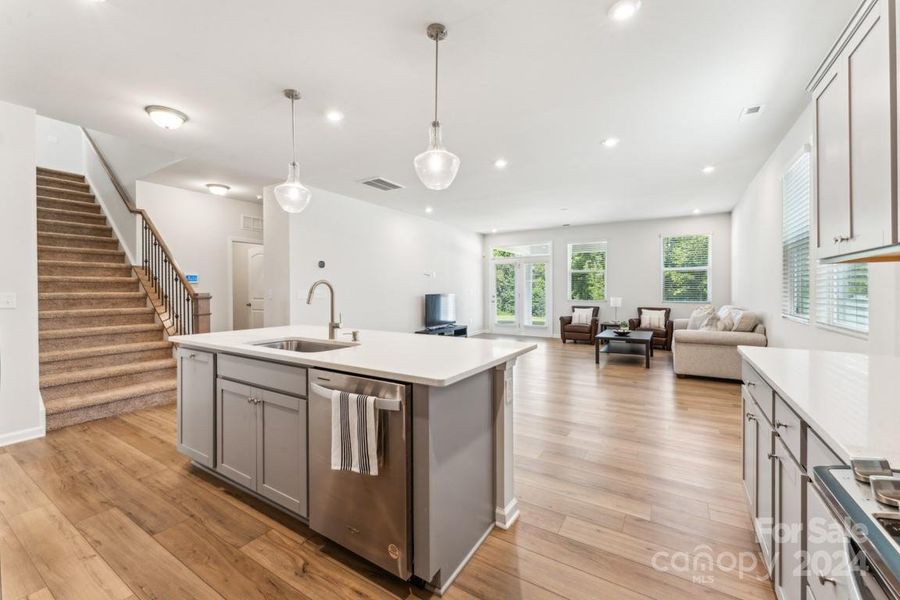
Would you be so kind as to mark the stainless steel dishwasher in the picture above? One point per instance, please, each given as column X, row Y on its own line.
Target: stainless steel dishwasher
column 369, row 515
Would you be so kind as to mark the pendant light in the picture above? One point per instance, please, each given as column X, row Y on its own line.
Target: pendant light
column 436, row 167
column 292, row 196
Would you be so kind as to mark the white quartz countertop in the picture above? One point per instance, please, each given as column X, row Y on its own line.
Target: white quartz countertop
column 852, row 401
column 432, row 360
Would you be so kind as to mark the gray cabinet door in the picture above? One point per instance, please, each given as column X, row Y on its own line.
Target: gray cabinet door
column 236, row 441
column 789, row 502
column 196, row 405
column 765, row 479
column 750, row 434
column 281, row 450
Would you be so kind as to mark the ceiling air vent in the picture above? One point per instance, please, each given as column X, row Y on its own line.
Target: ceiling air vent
column 752, row 112
column 380, row 183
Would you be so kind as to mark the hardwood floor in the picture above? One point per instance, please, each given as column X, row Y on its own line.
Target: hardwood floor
column 628, row 478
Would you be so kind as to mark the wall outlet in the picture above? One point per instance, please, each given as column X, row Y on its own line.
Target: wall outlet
column 7, row 300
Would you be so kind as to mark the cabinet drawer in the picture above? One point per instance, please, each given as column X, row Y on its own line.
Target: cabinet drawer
column 759, row 389
column 283, row 378
column 818, row 454
column 788, row 427
column 828, row 566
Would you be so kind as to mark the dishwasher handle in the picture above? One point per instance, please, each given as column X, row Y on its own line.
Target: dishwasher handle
column 388, row 404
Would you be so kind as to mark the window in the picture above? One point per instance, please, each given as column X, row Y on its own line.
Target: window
column 795, row 195
column 685, row 261
column 518, row 251
column 842, row 296
column 587, row 271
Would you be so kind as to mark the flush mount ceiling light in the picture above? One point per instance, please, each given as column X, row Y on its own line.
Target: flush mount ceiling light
column 334, row 116
column 436, row 167
column 624, row 9
column 708, row 170
column 429, row 210
column 217, row 188
column 292, row 196
column 611, row 142
column 494, row 230
column 165, row 117
column 697, row 211
column 501, row 163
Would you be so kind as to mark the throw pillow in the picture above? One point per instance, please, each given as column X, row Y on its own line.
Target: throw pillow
column 653, row 319
column 711, row 324
column 582, row 316
column 748, row 322
column 726, row 324
column 699, row 316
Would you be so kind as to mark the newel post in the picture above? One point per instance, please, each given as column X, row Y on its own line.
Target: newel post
column 201, row 312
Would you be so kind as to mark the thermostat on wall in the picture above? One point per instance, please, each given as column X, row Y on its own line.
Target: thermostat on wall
column 192, row 277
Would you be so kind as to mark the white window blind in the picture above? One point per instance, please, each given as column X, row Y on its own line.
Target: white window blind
column 795, row 228
column 685, row 262
column 842, row 296
column 587, row 271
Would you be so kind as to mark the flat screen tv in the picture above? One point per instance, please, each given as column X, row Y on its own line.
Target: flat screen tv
column 440, row 310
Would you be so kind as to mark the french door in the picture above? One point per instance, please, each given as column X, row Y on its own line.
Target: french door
column 520, row 296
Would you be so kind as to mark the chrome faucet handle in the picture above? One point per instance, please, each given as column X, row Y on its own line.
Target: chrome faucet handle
column 354, row 334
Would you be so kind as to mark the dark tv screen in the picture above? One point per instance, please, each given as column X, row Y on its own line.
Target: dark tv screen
column 440, row 309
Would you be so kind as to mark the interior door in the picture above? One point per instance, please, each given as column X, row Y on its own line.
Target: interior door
column 256, row 295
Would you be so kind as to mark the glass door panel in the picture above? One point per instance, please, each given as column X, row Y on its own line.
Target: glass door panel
column 505, row 309
column 535, row 295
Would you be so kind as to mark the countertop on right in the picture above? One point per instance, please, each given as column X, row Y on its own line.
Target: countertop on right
column 852, row 401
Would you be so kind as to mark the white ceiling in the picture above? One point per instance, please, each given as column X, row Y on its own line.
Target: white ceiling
column 537, row 82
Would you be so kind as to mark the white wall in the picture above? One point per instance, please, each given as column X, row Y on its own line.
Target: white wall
column 58, row 145
column 21, row 407
column 756, row 265
column 634, row 270
column 199, row 228
column 377, row 260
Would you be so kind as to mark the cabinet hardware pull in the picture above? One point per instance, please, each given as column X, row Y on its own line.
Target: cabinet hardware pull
column 751, row 417
column 841, row 238
column 772, row 456
column 750, row 384
column 192, row 355
column 780, row 424
column 823, row 579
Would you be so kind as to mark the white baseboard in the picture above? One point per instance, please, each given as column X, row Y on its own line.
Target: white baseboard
column 22, row 435
column 505, row 518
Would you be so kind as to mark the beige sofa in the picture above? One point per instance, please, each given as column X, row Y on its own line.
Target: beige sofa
column 711, row 353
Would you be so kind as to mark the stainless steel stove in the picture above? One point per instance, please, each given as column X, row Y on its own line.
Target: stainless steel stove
column 865, row 498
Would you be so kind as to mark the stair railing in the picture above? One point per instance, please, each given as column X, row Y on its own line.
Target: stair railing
column 186, row 310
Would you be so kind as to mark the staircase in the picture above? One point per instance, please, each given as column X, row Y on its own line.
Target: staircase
column 103, row 350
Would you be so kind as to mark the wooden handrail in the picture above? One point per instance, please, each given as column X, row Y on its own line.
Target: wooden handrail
column 132, row 207
column 155, row 238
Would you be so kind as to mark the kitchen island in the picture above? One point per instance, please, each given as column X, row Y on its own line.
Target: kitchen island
column 254, row 408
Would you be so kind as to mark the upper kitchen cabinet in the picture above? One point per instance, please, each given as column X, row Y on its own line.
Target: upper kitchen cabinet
column 855, row 92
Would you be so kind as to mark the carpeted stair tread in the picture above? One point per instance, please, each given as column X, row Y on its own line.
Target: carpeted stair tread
column 88, row 295
column 76, row 236
column 79, row 401
column 70, row 216
column 88, row 229
column 92, row 331
column 94, row 312
column 86, row 278
column 83, row 263
column 74, row 250
column 48, row 172
column 58, row 182
column 48, row 381
column 69, row 204
column 76, row 353
column 54, row 192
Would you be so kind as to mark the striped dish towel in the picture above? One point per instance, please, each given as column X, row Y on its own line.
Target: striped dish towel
column 354, row 433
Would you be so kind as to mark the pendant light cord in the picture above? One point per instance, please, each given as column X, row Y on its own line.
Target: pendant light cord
column 293, row 135
column 436, row 45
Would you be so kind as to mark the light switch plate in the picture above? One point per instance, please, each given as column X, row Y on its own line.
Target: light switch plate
column 7, row 300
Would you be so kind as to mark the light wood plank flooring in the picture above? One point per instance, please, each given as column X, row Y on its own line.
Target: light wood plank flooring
column 629, row 482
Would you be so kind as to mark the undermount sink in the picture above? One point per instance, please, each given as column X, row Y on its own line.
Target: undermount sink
column 301, row 345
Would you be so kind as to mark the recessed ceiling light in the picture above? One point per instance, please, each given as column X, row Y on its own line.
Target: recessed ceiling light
column 611, row 142
column 429, row 210
column 624, row 9
column 708, row 169
column 259, row 196
column 494, row 230
column 697, row 211
column 217, row 188
column 334, row 116
column 165, row 117
column 501, row 163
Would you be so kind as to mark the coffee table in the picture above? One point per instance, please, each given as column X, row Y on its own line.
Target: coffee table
column 639, row 343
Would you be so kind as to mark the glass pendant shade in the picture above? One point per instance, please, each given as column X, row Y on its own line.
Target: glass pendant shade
column 292, row 196
column 436, row 167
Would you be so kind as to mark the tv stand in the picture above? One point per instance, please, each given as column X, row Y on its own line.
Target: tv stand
column 451, row 330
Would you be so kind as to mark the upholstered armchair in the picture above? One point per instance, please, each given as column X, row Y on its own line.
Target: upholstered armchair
column 587, row 333
column 662, row 338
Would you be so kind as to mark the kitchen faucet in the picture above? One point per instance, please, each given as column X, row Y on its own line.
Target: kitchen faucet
column 332, row 325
